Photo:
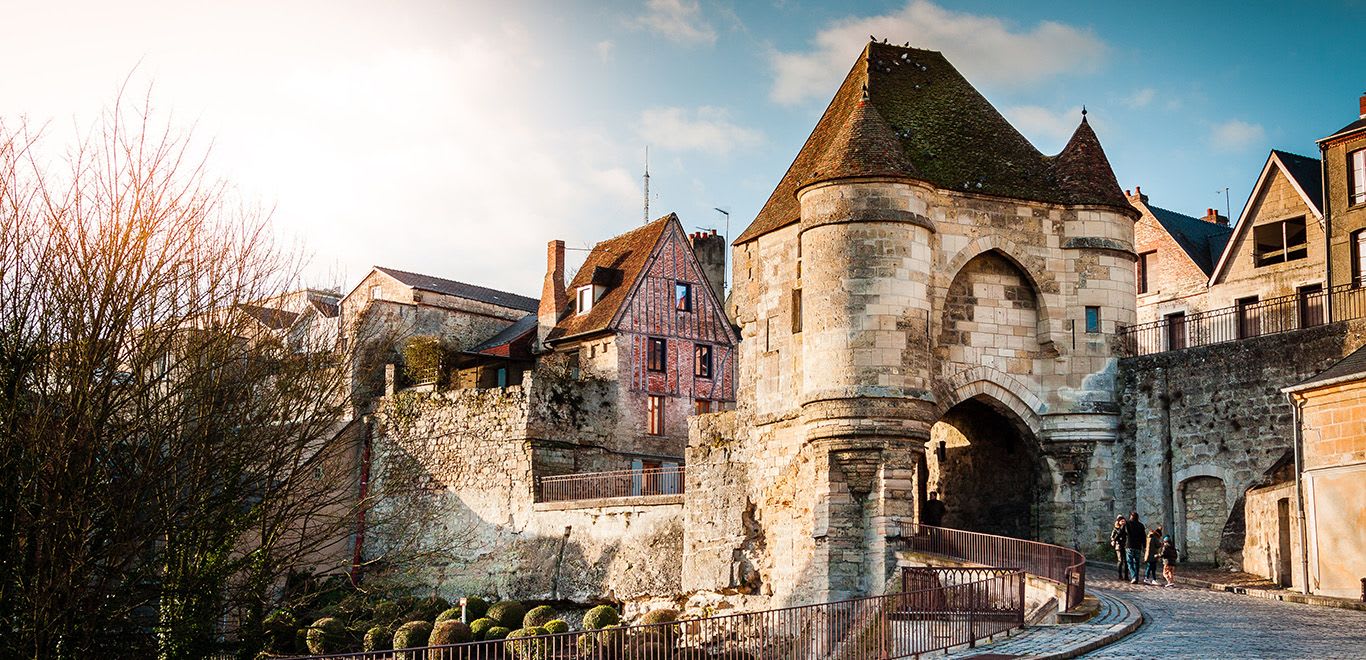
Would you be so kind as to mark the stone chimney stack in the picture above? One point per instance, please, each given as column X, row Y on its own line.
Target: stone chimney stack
column 1137, row 196
column 710, row 249
column 553, row 298
column 1213, row 216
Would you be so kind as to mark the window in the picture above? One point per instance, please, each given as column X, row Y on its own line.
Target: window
column 502, row 377
column 1145, row 265
column 1176, row 330
column 1092, row 319
column 585, row 299
column 704, row 406
column 1356, row 177
column 702, row 361
column 377, row 292
column 1310, row 304
column 683, row 296
column 658, row 355
column 1249, row 317
column 796, row 311
column 655, row 414
column 1279, row 242
column 1359, row 258
column 770, row 343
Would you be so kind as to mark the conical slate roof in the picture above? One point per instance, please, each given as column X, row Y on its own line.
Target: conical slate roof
column 949, row 136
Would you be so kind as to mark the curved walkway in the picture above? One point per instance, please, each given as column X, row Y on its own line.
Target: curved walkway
column 1188, row 622
column 1115, row 619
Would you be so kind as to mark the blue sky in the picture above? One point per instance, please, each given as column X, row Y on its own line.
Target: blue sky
column 456, row 138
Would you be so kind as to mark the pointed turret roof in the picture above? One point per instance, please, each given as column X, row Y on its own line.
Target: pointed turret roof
column 1082, row 170
column 948, row 133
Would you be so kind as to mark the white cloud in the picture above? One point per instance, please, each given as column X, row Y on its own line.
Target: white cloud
column 1236, row 135
column 705, row 128
column 1044, row 127
column 676, row 20
column 1141, row 98
column 984, row 48
column 604, row 49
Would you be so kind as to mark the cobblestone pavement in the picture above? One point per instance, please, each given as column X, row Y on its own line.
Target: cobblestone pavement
column 1110, row 620
column 1188, row 622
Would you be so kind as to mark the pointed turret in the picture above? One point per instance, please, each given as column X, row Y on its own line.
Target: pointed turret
column 1082, row 171
column 864, row 145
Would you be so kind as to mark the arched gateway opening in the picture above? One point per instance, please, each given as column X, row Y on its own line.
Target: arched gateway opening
column 984, row 463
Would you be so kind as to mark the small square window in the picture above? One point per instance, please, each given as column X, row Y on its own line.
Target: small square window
column 1092, row 319
column 704, row 406
column 585, row 299
column 1145, row 268
column 655, row 414
column 377, row 292
column 658, row 355
column 702, row 361
column 683, row 296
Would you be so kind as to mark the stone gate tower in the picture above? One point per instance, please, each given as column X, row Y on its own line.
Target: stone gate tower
column 921, row 284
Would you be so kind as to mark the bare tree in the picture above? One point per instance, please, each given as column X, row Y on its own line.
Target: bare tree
column 165, row 462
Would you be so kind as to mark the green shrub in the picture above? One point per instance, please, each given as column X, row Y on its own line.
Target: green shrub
column 326, row 635
column 424, row 358
column 476, row 607
column 301, row 639
column 451, row 614
column 450, row 632
column 601, row 617
column 519, row 646
column 429, row 608
column 412, row 635
column 481, row 626
column 659, row 616
column 378, row 638
column 496, row 632
column 386, row 612
column 538, row 616
column 509, row 613
column 556, row 626
column 279, row 628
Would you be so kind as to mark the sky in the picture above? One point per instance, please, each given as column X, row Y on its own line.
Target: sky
column 456, row 138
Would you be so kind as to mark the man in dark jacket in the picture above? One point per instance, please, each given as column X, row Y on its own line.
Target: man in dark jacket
column 1135, row 540
column 933, row 513
column 1117, row 541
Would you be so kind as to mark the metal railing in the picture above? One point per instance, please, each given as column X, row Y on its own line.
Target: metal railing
column 902, row 625
column 1244, row 321
column 1064, row 566
column 617, row 483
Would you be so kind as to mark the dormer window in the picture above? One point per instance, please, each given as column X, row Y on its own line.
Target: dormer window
column 585, row 301
column 683, row 296
column 1279, row 242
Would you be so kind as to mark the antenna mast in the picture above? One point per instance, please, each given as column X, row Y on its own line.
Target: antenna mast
column 647, row 184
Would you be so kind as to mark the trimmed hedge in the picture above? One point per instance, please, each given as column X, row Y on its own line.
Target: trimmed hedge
column 496, row 632
column 450, row 632
column 378, row 638
column 481, row 626
column 451, row 614
column 556, row 626
column 280, row 627
column 412, row 635
column 326, row 635
column 509, row 613
column 601, row 617
column 476, row 607
column 538, row 616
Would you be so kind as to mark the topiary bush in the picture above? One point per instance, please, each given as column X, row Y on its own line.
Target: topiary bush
column 429, row 608
column 496, row 632
column 326, row 635
column 509, row 613
column 658, row 617
column 378, row 638
column 538, row 616
column 412, row 635
column 451, row 614
column 476, row 608
column 279, row 627
column 450, row 632
column 481, row 626
column 601, row 617
column 556, row 626
column 520, row 646
column 386, row 612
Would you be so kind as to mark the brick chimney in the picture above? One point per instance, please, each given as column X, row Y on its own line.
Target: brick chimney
column 710, row 249
column 1213, row 216
column 553, row 298
column 1362, row 101
column 1137, row 196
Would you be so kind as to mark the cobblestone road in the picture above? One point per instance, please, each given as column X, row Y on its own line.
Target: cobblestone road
column 1189, row 622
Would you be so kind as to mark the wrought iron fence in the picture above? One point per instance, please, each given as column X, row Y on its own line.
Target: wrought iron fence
column 617, row 483
column 1245, row 320
column 902, row 625
column 1064, row 566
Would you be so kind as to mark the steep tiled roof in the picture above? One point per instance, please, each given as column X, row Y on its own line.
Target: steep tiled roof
column 627, row 255
column 1358, row 125
column 949, row 135
column 1201, row 240
column 328, row 308
column 461, row 289
column 503, row 343
column 275, row 319
column 1307, row 172
column 1352, row 365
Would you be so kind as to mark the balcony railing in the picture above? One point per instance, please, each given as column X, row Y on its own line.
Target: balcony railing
column 1244, row 321
column 1063, row 566
column 617, row 483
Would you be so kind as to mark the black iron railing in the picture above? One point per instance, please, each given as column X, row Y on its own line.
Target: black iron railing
column 1243, row 321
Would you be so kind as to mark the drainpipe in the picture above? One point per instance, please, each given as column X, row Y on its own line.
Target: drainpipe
column 1327, row 233
column 1299, row 492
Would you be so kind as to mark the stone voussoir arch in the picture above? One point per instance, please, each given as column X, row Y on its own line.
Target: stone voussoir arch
column 1040, row 279
column 1004, row 388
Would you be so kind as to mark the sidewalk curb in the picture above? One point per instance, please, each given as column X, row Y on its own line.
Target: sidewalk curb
column 1118, row 632
column 1280, row 595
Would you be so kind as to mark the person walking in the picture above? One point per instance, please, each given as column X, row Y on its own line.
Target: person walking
column 1168, row 554
column 933, row 514
column 1118, row 538
column 1153, row 554
column 1135, row 538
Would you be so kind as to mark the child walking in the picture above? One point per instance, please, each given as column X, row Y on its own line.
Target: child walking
column 1168, row 554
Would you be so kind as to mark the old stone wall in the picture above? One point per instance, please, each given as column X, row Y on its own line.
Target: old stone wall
column 1271, row 541
column 1213, row 417
column 1347, row 219
column 455, row 473
column 1334, row 472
